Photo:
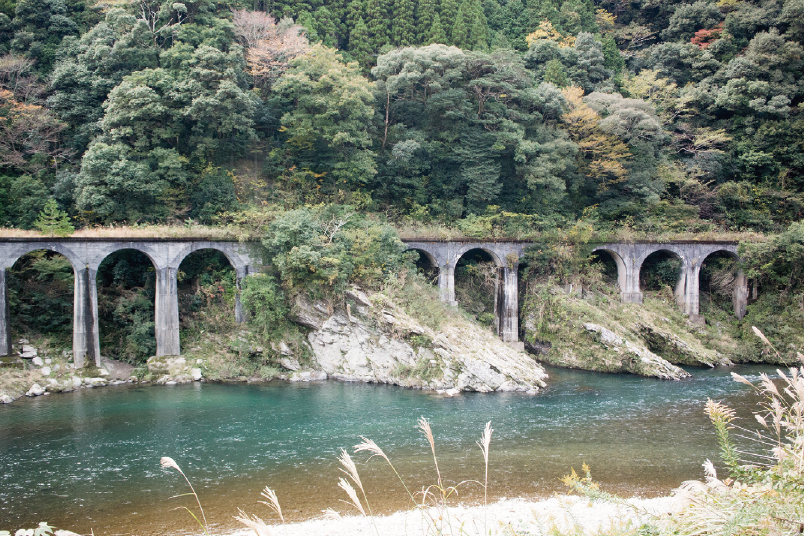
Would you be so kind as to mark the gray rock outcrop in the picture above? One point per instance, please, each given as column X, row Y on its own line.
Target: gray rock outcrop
column 382, row 344
column 635, row 358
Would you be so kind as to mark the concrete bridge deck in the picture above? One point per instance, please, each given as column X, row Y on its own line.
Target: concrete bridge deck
column 166, row 254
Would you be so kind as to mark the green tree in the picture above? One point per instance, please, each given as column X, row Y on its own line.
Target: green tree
column 326, row 26
column 326, row 129
column 359, row 44
column 436, row 35
column 426, row 10
column 54, row 222
column 403, row 30
column 448, row 13
column 554, row 73
column 378, row 16
column 460, row 28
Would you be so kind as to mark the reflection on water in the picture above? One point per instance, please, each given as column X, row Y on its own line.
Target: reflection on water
column 90, row 459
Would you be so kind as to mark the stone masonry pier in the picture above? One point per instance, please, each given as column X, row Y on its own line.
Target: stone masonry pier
column 87, row 254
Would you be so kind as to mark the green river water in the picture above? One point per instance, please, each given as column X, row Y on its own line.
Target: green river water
column 89, row 460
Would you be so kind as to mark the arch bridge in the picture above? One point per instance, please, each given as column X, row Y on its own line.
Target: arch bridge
column 445, row 254
column 87, row 254
column 629, row 258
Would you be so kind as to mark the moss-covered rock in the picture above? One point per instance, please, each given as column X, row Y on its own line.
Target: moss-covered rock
column 598, row 332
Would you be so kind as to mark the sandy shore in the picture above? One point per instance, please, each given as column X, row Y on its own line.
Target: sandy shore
column 506, row 517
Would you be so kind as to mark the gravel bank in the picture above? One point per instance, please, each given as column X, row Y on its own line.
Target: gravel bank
column 566, row 513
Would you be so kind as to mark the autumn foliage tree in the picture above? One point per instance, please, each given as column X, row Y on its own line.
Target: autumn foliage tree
column 269, row 45
column 601, row 156
column 29, row 135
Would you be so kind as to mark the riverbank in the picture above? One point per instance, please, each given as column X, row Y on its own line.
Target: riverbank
column 562, row 514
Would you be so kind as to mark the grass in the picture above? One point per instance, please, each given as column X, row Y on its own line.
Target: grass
column 139, row 231
column 408, row 230
column 432, row 502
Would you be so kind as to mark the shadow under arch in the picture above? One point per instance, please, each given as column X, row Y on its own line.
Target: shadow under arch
column 427, row 265
column 663, row 267
column 41, row 296
column 477, row 284
column 720, row 274
column 618, row 263
column 126, row 290
column 207, row 289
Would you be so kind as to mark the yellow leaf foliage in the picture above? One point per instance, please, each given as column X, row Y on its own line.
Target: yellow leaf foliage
column 546, row 31
column 601, row 156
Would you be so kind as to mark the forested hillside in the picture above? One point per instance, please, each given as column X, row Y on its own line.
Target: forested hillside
column 661, row 114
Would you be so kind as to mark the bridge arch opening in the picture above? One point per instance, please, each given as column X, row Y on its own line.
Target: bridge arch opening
column 722, row 285
column 126, row 281
column 41, row 286
column 659, row 270
column 611, row 266
column 425, row 264
column 477, row 284
column 207, row 293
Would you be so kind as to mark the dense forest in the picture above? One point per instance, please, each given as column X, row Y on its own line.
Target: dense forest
column 685, row 114
column 538, row 119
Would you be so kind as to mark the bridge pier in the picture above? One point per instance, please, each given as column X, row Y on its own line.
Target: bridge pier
column 166, row 318
column 631, row 292
column 507, row 308
column 739, row 297
column 5, row 320
column 446, row 284
column 86, row 337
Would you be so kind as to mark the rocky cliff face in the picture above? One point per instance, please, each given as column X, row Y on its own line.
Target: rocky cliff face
column 597, row 332
column 374, row 341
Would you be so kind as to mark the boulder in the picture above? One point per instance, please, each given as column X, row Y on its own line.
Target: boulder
column 172, row 365
column 6, row 399
column 672, row 348
column 29, row 352
column 289, row 363
column 196, row 374
column 308, row 376
column 36, row 361
column 309, row 313
column 35, row 390
column 45, row 371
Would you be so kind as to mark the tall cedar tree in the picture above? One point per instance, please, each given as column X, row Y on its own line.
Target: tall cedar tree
column 378, row 14
column 403, row 31
column 425, row 14
column 436, row 35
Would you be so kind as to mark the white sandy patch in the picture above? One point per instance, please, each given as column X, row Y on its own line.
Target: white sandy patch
column 525, row 517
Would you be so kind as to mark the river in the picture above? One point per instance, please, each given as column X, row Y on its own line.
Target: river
column 89, row 460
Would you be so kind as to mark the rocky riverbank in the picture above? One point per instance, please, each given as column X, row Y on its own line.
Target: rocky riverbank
column 578, row 328
column 40, row 370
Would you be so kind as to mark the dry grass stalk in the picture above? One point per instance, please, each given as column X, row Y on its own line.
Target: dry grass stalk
column 273, row 502
column 253, row 522
column 424, row 426
column 350, row 491
column 170, row 463
column 485, row 441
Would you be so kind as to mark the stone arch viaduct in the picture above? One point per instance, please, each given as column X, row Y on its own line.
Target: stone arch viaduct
column 87, row 254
